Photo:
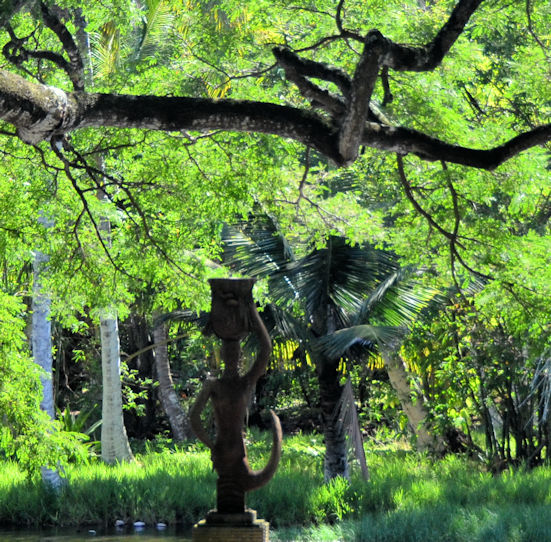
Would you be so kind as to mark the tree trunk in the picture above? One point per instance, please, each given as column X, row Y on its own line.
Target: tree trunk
column 114, row 441
column 179, row 422
column 415, row 411
column 41, row 345
column 336, row 460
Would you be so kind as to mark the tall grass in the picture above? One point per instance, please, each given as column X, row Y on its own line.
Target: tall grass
column 168, row 487
column 409, row 497
column 443, row 523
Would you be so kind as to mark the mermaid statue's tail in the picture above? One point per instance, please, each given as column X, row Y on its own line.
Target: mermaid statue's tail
column 259, row 478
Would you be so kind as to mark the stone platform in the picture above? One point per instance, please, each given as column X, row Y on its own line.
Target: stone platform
column 243, row 527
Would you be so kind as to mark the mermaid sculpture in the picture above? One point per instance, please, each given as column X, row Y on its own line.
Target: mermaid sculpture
column 233, row 315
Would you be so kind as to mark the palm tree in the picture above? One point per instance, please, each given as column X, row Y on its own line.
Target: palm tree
column 157, row 17
column 330, row 301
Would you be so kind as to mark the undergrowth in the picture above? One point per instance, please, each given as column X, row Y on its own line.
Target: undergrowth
column 409, row 497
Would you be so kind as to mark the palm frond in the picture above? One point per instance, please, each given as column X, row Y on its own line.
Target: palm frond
column 540, row 386
column 106, row 52
column 339, row 287
column 398, row 299
column 340, row 274
column 336, row 344
column 257, row 253
column 157, row 23
column 346, row 419
column 290, row 327
column 187, row 316
column 257, row 250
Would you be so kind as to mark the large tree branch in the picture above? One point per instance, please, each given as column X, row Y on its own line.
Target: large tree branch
column 406, row 58
column 378, row 52
column 296, row 70
column 40, row 112
column 406, row 140
column 310, row 68
column 203, row 114
column 357, row 106
column 75, row 67
column 37, row 111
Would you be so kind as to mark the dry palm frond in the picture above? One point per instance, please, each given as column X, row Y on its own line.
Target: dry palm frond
column 346, row 418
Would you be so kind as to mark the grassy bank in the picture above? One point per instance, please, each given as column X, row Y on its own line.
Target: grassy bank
column 409, row 497
column 443, row 523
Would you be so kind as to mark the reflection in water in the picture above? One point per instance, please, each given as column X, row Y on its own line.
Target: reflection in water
column 97, row 534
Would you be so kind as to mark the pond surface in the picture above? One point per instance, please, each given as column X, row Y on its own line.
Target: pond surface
column 97, row 534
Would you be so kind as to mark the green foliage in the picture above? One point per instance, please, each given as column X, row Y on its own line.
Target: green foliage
column 408, row 498
column 330, row 501
column 170, row 194
column 479, row 368
column 77, row 422
column 26, row 433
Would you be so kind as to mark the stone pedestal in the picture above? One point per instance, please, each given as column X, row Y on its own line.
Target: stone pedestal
column 243, row 527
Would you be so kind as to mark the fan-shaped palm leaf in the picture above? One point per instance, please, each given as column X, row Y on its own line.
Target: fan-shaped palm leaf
column 187, row 316
column 290, row 326
column 336, row 344
column 257, row 250
column 340, row 274
column 347, row 285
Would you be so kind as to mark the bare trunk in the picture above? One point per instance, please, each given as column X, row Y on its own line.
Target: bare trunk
column 114, row 441
column 179, row 422
column 41, row 344
column 415, row 410
column 336, row 460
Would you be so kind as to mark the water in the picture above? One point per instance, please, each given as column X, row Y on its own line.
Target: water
column 97, row 534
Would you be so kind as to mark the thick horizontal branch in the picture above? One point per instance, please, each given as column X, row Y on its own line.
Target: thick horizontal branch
column 39, row 112
column 203, row 114
column 406, row 140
